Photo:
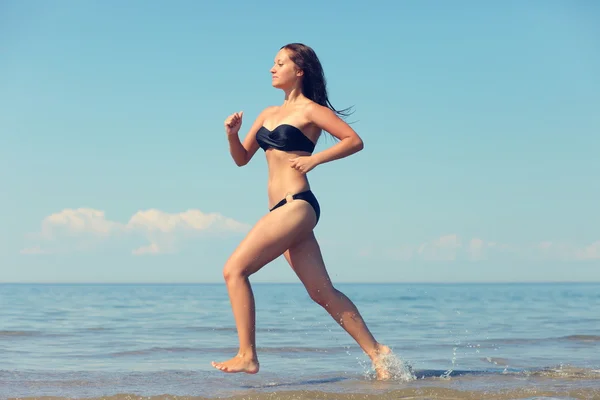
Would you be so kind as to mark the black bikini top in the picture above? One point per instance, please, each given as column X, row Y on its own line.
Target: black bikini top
column 284, row 137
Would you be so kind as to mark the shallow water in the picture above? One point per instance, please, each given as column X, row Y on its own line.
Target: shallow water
column 492, row 341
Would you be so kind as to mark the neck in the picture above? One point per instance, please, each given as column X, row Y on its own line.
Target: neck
column 292, row 95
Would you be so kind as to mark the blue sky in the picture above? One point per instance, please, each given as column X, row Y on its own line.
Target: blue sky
column 481, row 126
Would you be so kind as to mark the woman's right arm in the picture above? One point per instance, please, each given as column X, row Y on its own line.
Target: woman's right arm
column 243, row 153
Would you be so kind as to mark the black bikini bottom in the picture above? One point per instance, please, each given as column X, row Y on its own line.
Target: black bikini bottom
column 307, row 196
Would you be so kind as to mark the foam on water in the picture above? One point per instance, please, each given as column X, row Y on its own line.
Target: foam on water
column 400, row 371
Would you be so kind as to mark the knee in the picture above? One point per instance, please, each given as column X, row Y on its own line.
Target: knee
column 324, row 295
column 234, row 271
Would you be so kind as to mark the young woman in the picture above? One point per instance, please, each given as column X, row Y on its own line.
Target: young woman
column 287, row 134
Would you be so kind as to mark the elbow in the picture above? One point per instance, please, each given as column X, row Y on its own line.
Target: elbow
column 358, row 144
column 241, row 162
column 240, row 159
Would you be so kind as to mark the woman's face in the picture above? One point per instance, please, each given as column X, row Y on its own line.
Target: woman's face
column 284, row 73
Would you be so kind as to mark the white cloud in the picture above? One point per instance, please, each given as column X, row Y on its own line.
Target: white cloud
column 451, row 248
column 476, row 249
column 77, row 221
column 568, row 251
column 150, row 249
column 191, row 220
column 400, row 253
column 33, row 250
column 591, row 252
column 83, row 228
column 444, row 248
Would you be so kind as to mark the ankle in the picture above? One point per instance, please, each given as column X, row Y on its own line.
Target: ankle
column 247, row 354
column 378, row 350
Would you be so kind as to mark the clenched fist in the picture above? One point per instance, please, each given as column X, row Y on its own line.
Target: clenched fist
column 303, row 164
column 233, row 123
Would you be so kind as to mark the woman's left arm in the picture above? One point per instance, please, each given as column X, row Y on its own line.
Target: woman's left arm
column 327, row 120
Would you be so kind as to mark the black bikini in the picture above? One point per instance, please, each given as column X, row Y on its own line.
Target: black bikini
column 307, row 196
column 287, row 137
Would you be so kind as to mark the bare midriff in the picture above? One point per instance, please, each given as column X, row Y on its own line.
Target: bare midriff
column 283, row 179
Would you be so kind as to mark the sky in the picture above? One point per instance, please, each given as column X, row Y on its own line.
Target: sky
column 481, row 125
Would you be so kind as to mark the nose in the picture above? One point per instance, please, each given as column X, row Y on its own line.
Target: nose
column 272, row 70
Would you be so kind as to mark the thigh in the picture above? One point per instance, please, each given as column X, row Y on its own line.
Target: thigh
column 306, row 260
column 272, row 235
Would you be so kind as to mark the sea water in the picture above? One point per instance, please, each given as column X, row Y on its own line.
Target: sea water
column 453, row 341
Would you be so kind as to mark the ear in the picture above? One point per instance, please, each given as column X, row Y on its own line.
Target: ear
column 299, row 72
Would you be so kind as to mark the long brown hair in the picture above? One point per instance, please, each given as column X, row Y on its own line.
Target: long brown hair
column 314, row 85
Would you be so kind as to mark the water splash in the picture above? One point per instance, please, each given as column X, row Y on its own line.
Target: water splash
column 446, row 375
column 401, row 371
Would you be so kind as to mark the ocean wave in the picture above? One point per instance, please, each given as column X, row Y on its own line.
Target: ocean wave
column 570, row 338
column 18, row 334
column 220, row 350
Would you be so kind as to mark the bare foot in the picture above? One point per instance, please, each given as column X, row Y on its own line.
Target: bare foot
column 380, row 364
column 238, row 363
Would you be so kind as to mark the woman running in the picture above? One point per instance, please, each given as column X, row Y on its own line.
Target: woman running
column 287, row 134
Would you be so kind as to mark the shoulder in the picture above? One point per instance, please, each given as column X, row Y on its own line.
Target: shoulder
column 267, row 111
column 263, row 115
column 320, row 115
column 328, row 120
